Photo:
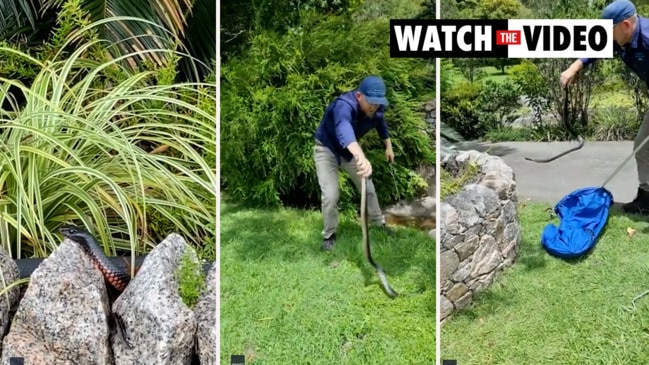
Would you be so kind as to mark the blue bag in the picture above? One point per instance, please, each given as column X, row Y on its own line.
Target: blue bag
column 583, row 215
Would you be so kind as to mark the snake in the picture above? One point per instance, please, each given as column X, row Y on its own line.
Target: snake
column 114, row 276
column 567, row 125
column 366, row 241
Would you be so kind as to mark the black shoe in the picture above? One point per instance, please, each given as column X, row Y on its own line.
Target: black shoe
column 387, row 230
column 640, row 205
column 328, row 243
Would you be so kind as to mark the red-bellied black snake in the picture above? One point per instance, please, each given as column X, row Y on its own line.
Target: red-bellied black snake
column 116, row 277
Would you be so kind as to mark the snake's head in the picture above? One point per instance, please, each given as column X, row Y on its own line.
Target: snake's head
column 71, row 231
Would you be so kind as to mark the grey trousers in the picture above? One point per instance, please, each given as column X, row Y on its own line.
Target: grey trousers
column 327, row 170
column 642, row 156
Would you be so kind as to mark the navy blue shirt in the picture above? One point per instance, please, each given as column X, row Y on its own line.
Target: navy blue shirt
column 343, row 123
column 636, row 53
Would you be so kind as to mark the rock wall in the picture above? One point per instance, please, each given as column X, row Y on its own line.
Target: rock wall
column 419, row 212
column 479, row 231
column 430, row 109
column 428, row 172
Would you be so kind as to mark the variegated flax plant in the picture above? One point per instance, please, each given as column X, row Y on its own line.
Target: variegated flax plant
column 96, row 143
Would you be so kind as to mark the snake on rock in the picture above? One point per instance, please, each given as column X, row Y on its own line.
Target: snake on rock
column 366, row 241
column 117, row 278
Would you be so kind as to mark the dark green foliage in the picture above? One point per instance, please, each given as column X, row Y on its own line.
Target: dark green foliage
column 460, row 109
column 429, row 10
column 445, row 75
column 200, row 41
column 31, row 24
column 272, row 101
column 598, row 101
column 241, row 19
column 473, row 108
column 499, row 101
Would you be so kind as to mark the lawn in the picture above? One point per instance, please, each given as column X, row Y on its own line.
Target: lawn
column 547, row 311
column 284, row 301
column 489, row 72
column 495, row 74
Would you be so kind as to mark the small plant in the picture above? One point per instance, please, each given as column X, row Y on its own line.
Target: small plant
column 191, row 279
column 453, row 183
column 614, row 124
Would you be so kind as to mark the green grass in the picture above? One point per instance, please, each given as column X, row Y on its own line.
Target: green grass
column 495, row 74
column 490, row 73
column 284, row 301
column 548, row 311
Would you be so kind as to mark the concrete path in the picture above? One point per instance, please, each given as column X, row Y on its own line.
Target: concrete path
column 549, row 182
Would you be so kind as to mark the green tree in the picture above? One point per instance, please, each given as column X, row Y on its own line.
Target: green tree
column 187, row 24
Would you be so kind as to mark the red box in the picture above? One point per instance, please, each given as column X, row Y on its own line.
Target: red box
column 507, row 37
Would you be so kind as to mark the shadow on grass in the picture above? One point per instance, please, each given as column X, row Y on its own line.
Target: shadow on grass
column 532, row 259
column 291, row 235
column 266, row 234
column 396, row 254
column 487, row 303
column 531, row 255
column 617, row 211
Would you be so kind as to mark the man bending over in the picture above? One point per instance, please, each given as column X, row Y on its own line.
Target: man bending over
column 631, row 35
column 348, row 118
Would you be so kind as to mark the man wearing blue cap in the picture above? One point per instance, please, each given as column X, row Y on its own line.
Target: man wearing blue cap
column 631, row 35
column 348, row 118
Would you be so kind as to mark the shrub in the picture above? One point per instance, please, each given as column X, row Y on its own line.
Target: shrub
column 459, row 109
column 474, row 108
column 615, row 124
column 273, row 99
column 499, row 102
column 530, row 82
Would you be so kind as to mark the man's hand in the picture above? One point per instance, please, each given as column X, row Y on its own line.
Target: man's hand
column 363, row 165
column 569, row 74
column 389, row 154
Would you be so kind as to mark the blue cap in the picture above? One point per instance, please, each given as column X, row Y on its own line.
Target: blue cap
column 618, row 11
column 374, row 90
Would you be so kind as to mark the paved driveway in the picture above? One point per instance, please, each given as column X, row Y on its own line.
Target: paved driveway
column 549, row 182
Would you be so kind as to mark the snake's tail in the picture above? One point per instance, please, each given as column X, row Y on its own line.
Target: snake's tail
column 121, row 329
column 368, row 253
column 581, row 144
column 386, row 284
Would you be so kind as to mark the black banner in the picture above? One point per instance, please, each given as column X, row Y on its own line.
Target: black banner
column 446, row 38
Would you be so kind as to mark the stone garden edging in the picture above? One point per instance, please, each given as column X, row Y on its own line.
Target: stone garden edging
column 479, row 230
